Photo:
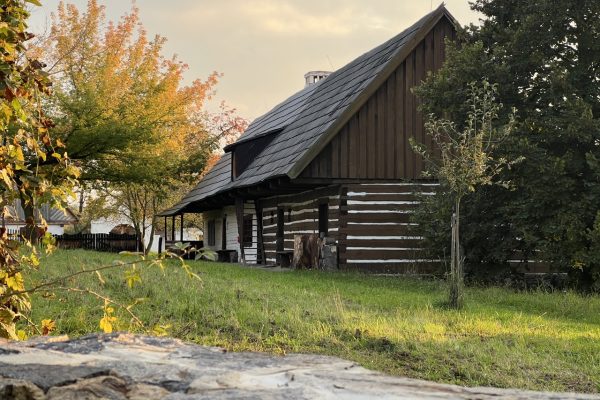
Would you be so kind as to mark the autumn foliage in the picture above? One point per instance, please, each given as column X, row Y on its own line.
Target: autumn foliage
column 140, row 133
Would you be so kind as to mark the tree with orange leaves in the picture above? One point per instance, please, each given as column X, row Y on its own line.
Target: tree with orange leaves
column 117, row 99
column 123, row 112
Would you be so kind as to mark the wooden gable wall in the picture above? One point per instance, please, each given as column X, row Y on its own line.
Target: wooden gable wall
column 374, row 143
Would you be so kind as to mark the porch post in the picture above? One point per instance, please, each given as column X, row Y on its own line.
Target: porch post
column 166, row 236
column 181, row 228
column 239, row 213
column 173, row 229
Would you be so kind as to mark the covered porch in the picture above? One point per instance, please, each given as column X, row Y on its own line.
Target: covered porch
column 173, row 233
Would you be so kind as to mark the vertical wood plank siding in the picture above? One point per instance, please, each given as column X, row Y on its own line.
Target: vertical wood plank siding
column 374, row 143
column 376, row 232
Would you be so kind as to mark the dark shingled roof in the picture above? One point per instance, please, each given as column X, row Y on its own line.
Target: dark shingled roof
column 304, row 123
column 326, row 104
column 278, row 118
column 216, row 180
column 50, row 214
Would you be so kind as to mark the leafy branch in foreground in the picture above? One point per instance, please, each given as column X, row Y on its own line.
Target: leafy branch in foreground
column 465, row 161
column 25, row 146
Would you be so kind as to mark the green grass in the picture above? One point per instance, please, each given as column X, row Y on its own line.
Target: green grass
column 502, row 338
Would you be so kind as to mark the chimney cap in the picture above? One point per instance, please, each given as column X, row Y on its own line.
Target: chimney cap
column 312, row 77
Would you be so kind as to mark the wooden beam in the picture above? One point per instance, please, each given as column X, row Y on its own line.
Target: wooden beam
column 166, row 236
column 173, row 228
column 239, row 214
column 181, row 228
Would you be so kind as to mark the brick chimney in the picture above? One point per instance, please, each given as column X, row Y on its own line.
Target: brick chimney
column 312, row 77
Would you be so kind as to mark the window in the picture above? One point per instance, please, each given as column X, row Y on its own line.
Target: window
column 323, row 219
column 247, row 231
column 211, row 232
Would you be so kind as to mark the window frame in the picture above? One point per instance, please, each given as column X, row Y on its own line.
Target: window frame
column 247, row 230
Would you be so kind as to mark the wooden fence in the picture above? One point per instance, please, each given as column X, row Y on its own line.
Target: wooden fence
column 98, row 241
column 90, row 241
column 14, row 234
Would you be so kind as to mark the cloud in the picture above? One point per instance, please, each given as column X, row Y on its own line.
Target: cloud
column 289, row 19
column 310, row 18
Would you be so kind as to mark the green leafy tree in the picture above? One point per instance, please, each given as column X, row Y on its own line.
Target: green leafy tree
column 465, row 163
column 137, row 131
column 544, row 57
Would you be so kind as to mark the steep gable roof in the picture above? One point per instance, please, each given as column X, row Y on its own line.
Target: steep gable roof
column 278, row 118
column 303, row 124
column 332, row 103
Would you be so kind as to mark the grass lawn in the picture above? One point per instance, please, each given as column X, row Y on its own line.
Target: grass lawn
column 541, row 341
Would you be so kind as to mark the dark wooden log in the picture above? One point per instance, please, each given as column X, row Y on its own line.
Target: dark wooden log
column 260, row 256
column 239, row 214
column 181, row 229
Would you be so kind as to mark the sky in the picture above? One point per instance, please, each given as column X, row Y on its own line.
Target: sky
column 263, row 48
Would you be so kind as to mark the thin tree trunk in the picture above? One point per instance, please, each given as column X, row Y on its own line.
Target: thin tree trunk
column 30, row 229
column 150, row 239
column 154, row 210
column 456, row 262
column 81, row 199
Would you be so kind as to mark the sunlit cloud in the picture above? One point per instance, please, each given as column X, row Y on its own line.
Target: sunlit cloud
column 286, row 18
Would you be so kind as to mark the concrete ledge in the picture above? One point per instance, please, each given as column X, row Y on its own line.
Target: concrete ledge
column 124, row 366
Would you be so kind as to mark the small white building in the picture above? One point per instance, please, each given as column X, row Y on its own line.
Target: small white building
column 55, row 219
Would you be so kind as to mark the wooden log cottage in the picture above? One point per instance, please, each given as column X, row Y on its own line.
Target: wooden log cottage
column 334, row 159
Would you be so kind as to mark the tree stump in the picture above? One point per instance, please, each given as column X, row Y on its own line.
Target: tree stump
column 306, row 251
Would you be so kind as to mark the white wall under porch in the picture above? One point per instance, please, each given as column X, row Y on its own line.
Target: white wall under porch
column 231, row 230
column 232, row 240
